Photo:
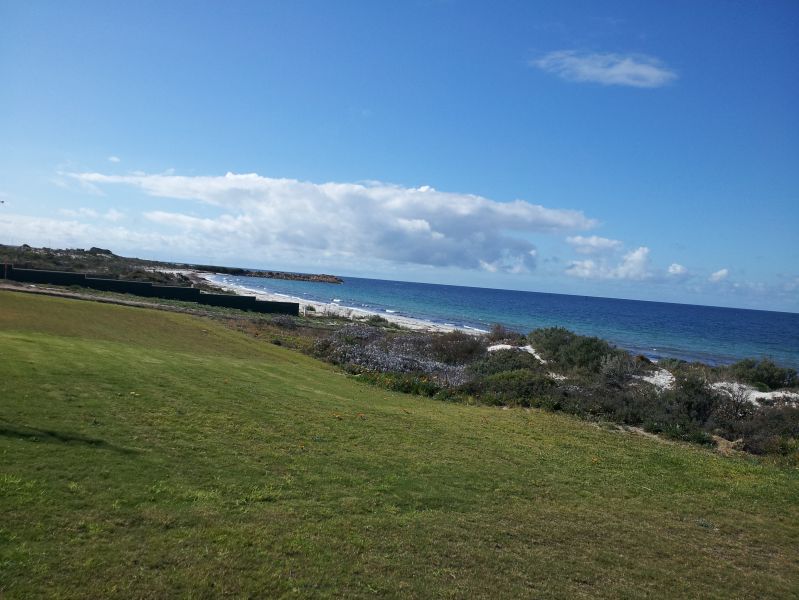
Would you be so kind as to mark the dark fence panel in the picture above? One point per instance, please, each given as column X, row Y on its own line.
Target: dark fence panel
column 278, row 308
column 250, row 303
column 137, row 288
column 147, row 289
column 51, row 277
column 176, row 293
column 242, row 302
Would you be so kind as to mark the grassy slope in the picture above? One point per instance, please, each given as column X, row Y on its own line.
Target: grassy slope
column 145, row 453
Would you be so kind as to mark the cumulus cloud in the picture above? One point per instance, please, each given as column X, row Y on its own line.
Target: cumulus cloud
column 633, row 70
column 356, row 221
column 593, row 244
column 633, row 265
column 72, row 233
column 719, row 275
column 114, row 159
column 676, row 269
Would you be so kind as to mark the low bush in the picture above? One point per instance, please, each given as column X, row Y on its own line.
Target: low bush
column 770, row 430
column 765, row 373
column 408, row 383
column 733, row 407
column 681, row 431
column 618, row 368
column 519, row 387
column 695, row 399
column 456, row 347
column 500, row 361
column 284, row 321
column 500, row 333
column 632, row 406
column 570, row 351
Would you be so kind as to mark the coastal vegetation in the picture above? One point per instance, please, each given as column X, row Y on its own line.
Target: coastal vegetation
column 104, row 262
column 584, row 376
column 153, row 453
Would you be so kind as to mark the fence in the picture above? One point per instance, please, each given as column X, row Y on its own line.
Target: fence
column 147, row 289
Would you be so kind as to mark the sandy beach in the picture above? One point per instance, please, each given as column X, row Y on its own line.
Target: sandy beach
column 324, row 309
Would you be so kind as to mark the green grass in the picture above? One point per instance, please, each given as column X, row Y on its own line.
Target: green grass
column 153, row 454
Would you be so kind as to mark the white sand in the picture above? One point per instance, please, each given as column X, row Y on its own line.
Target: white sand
column 664, row 380
column 528, row 348
column 751, row 394
column 661, row 379
column 334, row 309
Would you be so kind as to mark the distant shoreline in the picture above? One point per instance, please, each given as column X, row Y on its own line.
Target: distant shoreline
column 331, row 308
column 239, row 272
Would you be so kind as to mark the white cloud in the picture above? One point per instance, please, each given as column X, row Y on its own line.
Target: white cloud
column 587, row 269
column 114, row 159
column 354, row 222
column 78, row 212
column 634, row 70
column 593, row 244
column 676, row 269
column 719, row 275
column 113, row 215
column 633, row 265
column 72, row 233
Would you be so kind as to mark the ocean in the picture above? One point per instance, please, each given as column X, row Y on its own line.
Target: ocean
column 709, row 334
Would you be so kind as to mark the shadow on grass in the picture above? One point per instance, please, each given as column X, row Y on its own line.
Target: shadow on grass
column 55, row 437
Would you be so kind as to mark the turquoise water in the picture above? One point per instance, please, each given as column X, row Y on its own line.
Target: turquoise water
column 657, row 329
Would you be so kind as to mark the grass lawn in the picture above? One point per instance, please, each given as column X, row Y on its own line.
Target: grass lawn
column 153, row 454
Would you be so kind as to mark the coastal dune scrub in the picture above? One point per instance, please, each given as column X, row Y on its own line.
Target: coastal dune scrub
column 582, row 376
column 764, row 374
column 457, row 347
column 519, row 387
column 361, row 348
column 571, row 352
column 501, row 334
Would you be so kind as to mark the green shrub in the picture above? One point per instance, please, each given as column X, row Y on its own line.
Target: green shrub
column 408, row 383
column 764, row 372
column 617, row 368
column 456, row 347
column 570, row 351
column 691, row 404
column 632, row 406
column 500, row 333
column 683, row 432
column 771, row 430
column 284, row 321
column 520, row 387
column 503, row 360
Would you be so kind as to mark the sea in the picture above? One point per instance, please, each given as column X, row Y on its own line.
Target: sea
column 709, row 334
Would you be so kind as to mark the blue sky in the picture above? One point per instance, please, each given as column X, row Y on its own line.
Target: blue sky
column 630, row 149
